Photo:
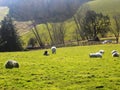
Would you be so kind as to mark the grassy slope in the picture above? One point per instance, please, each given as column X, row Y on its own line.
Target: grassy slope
column 3, row 12
column 110, row 7
column 70, row 69
column 107, row 7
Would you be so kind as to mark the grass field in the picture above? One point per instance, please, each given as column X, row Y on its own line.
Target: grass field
column 69, row 69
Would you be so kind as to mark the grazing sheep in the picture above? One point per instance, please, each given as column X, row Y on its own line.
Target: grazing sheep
column 53, row 48
column 115, row 53
column 46, row 53
column 11, row 64
column 95, row 55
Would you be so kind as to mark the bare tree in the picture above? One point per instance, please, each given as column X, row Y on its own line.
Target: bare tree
column 54, row 33
column 37, row 35
column 71, row 8
column 77, row 36
column 116, row 32
column 62, row 30
column 49, row 31
column 58, row 33
column 78, row 19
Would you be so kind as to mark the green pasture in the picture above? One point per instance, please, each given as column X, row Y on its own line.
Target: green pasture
column 69, row 69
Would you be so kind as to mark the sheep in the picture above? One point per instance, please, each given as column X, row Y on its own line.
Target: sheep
column 46, row 53
column 11, row 64
column 95, row 55
column 53, row 48
column 115, row 53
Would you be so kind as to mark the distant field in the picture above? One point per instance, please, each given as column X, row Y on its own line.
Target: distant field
column 70, row 69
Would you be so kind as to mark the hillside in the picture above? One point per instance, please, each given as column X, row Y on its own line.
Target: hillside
column 109, row 7
column 42, row 10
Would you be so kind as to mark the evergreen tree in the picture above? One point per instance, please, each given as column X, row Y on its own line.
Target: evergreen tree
column 9, row 35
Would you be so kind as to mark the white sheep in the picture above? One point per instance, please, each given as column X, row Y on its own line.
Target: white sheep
column 53, row 48
column 95, row 55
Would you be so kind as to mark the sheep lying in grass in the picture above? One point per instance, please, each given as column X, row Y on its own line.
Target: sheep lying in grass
column 11, row 64
column 115, row 53
column 53, row 48
column 97, row 54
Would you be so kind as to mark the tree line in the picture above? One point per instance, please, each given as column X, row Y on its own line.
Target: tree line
column 90, row 25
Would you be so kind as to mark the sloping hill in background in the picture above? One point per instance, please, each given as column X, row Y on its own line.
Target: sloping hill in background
column 110, row 7
column 21, row 26
column 42, row 10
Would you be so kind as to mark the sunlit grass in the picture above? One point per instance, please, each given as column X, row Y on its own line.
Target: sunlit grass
column 69, row 69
